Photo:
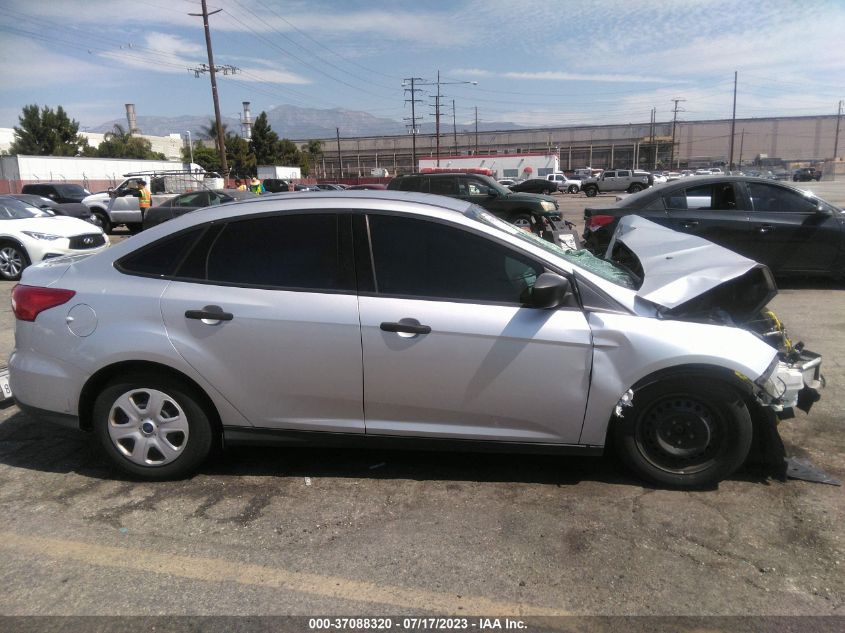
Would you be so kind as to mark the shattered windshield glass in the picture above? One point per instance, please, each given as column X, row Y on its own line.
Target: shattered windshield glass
column 583, row 258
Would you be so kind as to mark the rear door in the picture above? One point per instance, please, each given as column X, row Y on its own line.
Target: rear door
column 265, row 310
column 791, row 233
column 714, row 211
column 449, row 349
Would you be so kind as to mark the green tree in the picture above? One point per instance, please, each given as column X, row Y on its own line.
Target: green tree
column 206, row 157
column 118, row 143
column 311, row 153
column 265, row 142
column 288, row 153
column 240, row 158
column 45, row 132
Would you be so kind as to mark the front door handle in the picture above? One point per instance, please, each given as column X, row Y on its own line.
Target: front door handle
column 210, row 315
column 689, row 224
column 405, row 328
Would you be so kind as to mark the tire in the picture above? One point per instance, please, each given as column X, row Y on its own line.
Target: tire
column 176, row 434
column 591, row 192
column 134, row 228
column 684, row 432
column 522, row 220
column 13, row 259
column 572, row 189
column 105, row 223
column 635, row 188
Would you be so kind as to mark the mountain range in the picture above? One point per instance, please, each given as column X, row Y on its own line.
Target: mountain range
column 300, row 124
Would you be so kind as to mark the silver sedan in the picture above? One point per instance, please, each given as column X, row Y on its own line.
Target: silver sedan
column 389, row 318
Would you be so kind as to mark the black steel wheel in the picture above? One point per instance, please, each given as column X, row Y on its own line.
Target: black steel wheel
column 591, row 192
column 685, row 432
column 635, row 188
column 572, row 189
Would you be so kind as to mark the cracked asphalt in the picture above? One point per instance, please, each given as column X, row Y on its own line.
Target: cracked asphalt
column 312, row 531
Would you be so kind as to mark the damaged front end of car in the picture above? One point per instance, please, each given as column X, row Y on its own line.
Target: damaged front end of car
column 689, row 278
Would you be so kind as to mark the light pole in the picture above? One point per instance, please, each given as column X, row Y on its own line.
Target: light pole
column 190, row 148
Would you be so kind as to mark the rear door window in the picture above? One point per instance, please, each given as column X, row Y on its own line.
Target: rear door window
column 773, row 199
column 715, row 197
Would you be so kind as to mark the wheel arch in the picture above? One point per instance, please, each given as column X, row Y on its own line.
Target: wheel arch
column 741, row 384
column 95, row 384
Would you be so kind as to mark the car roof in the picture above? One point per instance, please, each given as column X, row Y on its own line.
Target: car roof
column 444, row 202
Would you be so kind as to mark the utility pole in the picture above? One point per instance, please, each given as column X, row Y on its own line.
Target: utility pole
column 476, row 129
column 733, row 128
column 413, row 125
column 836, row 138
column 437, row 117
column 339, row 157
column 653, row 147
column 454, row 128
column 741, row 143
column 674, row 123
column 212, row 69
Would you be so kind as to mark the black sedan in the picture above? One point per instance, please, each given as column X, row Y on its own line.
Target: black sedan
column 789, row 230
column 191, row 201
column 71, row 209
column 535, row 185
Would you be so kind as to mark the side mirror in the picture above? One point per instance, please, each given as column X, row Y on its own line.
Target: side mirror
column 549, row 291
column 822, row 210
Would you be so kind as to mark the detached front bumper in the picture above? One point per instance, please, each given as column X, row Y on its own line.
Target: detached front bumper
column 792, row 382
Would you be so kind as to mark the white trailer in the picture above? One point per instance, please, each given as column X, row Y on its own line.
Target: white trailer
column 279, row 172
column 525, row 165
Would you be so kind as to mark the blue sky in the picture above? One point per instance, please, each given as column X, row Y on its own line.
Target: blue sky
column 549, row 63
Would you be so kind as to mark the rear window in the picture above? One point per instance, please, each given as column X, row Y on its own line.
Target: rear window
column 161, row 258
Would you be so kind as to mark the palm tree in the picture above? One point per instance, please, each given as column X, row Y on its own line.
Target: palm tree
column 210, row 131
column 117, row 134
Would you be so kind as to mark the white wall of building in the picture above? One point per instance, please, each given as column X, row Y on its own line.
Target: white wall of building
column 170, row 146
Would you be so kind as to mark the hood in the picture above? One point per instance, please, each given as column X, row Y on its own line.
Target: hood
column 522, row 195
column 61, row 225
column 688, row 275
column 95, row 198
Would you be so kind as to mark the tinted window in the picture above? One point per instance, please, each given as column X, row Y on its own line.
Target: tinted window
column 444, row 186
column 477, row 188
column 426, row 259
column 717, row 196
column 160, row 258
column 193, row 199
column 283, row 251
column 410, row 184
column 771, row 198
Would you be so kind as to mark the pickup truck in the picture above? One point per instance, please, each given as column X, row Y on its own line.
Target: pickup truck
column 120, row 205
column 616, row 180
column 569, row 185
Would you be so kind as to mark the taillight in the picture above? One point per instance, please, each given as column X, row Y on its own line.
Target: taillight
column 595, row 221
column 30, row 301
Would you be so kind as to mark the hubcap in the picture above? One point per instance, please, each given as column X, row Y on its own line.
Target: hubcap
column 148, row 427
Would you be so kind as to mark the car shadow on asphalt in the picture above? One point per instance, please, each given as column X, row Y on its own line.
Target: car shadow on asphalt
column 40, row 446
column 810, row 283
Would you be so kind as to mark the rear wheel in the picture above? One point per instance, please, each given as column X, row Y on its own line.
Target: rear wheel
column 522, row 220
column 635, row 188
column 13, row 259
column 151, row 427
column 685, row 432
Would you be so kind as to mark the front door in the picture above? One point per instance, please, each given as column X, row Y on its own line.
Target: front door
column 451, row 352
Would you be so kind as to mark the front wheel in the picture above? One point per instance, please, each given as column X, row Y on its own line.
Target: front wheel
column 572, row 189
column 591, row 192
column 152, row 427
column 686, row 432
column 105, row 223
column 13, row 260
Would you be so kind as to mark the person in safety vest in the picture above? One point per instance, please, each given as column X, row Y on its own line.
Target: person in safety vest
column 255, row 186
column 144, row 198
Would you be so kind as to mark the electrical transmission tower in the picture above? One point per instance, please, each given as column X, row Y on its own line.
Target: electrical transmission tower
column 413, row 121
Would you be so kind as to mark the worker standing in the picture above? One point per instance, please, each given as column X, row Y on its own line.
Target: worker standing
column 255, row 186
column 144, row 199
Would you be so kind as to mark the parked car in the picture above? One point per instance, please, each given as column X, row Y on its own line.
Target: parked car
column 191, row 201
column 806, row 174
column 275, row 185
column 617, row 180
column 304, row 187
column 57, row 191
column 789, row 230
column 535, row 185
column 29, row 235
column 70, row 209
column 525, row 210
column 330, row 186
column 372, row 186
column 396, row 319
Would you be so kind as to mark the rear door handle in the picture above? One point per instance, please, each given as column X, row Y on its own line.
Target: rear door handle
column 405, row 328
column 765, row 228
column 209, row 313
column 689, row 224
